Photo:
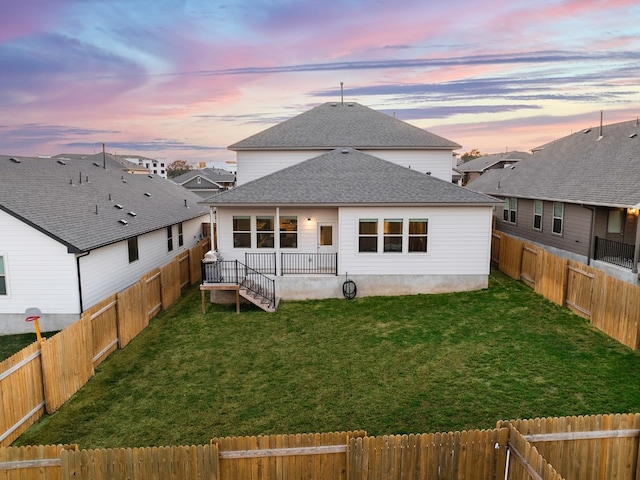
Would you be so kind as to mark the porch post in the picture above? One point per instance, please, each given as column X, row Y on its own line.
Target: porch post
column 276, row 242
column 636, row 251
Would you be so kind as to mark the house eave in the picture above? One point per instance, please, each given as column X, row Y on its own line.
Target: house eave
column 566, row 200
column 329, row 148
column 351, row 204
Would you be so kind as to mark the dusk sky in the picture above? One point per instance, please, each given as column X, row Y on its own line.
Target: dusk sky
column 171, row 79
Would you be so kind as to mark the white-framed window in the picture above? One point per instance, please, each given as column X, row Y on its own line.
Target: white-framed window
column 132, row 247
column 170, row 238
column 392, row 235
column 242, row 231
column 558, row 217
column 368, row 235
column 180, row 235
column 510, row 210
column 3, row 277
column 418, row 234
column 264, row 231
column 537, row 214
column 288, row 231
column 396, row 235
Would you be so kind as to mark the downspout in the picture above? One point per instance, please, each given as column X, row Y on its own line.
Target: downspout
column 212, row 228
column 591, row 228
column 78, row 257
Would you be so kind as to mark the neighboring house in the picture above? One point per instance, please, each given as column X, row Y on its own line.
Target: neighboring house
column 75, row 232
column 128, row 165
column 345, row 192
column 579, row 195
column 157, row 167
column 472, row 169
column 207, row 181
column 335, row 125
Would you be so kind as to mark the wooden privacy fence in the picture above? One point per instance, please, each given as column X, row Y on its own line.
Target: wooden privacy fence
column 567, row 448
column 610, row 304
column 44, row 375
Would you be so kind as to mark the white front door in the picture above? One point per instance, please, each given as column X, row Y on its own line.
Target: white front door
column 326, row 238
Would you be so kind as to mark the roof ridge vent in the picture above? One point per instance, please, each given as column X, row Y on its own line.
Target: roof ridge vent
column 61, row 162
column 131, row 214
column 118, row 206
column 586, row 130
column 345, row 150
column 123, row 222
column 15, row 160
column 633, row 135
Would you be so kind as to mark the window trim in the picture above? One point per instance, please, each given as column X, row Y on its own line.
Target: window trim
column 4, row 284
column 133, row 249
column 387, row 222
column 285, row 233
column 244, row 233
column 265, row 234
column 538, row 215
column 560, row 218
column 361, row 235
column 170, row 238
column 411, row 236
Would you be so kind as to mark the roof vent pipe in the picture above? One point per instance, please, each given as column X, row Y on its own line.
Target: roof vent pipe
column 601, row 112
column 341, row 93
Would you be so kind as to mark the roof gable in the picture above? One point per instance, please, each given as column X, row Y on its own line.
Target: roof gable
column 334, row 125
column 348, row 177
column 75, row 200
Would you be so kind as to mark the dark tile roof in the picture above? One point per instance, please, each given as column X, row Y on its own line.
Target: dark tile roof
column 60, row 196
column 334, row 125
column 583, row 167
column 348, row 177
column 485, row 162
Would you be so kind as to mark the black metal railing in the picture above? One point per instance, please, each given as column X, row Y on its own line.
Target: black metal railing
column 235, row 272
column 309, row 263
column 617, row 253
column 264, row 263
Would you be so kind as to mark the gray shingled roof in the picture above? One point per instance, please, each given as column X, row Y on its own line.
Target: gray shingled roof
column 211, row 174
column 335, row 125
column 352, row 178
column 579, row 168
column 50, row 196
column 485, row 162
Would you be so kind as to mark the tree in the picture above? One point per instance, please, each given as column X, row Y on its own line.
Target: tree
column 178, row 167
column 470, row 155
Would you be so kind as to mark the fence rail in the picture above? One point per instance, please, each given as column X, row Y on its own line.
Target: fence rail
column 44, row 375
column 563, row 448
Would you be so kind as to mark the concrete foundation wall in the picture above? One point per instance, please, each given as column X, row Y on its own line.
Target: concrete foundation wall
column 319, row 287
column 14, row 323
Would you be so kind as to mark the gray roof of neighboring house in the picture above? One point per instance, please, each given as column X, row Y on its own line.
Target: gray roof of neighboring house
column 211, row 174
column 485, row 162
column 59, row 198
column 97, row 157
column 348, row 177
column 334, row 125
column 579, row 168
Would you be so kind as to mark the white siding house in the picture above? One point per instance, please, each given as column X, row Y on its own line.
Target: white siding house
column 66, row 228
column 336, row 125
column 393, row 230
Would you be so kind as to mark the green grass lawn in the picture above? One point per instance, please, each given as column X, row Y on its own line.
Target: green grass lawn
column 388, row 365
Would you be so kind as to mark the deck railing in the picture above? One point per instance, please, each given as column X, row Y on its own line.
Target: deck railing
column 264, row 263
column 233, row 271
column 616, row 253
column 309, row 263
